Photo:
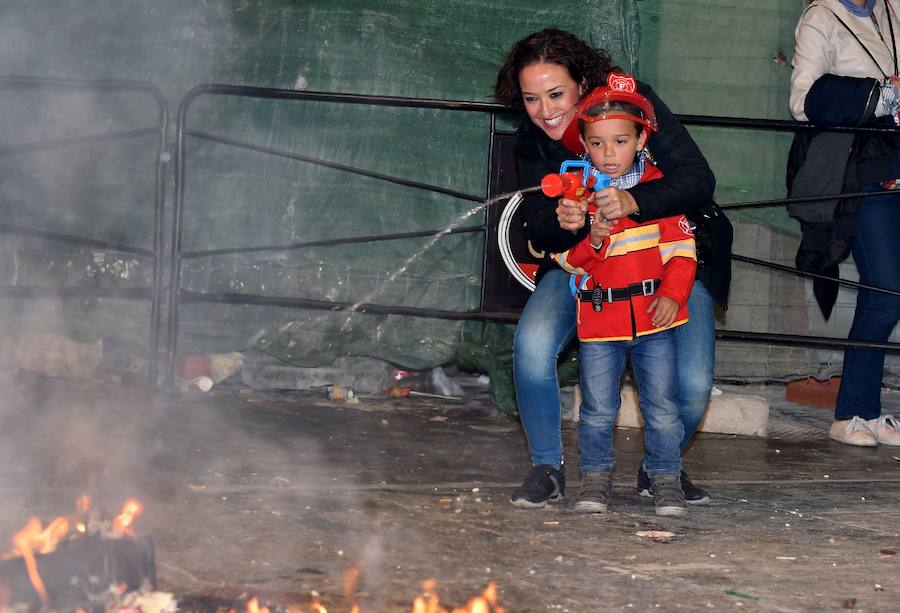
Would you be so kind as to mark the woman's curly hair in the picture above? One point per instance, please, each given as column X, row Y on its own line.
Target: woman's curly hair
column 584, row 63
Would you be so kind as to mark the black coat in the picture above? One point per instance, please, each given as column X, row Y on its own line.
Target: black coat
column 823, row 163
column 687, row 188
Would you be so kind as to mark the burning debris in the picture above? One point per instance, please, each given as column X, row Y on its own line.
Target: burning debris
column 426, row 602
column 80, row 562
column 85, row 562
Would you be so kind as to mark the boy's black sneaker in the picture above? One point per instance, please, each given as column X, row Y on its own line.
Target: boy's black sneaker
column 668, row 496
column 542, row 485
column 692, row 493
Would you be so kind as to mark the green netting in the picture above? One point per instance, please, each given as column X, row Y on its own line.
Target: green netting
column 728, row 58
column 236, row 197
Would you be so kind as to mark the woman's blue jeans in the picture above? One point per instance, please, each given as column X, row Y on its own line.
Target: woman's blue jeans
column 601, row 365
column 547, row 326
column 876, row 251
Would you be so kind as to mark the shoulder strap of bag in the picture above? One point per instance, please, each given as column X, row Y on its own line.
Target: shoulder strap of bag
column 861, row 44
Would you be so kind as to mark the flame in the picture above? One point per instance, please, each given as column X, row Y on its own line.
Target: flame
column 34, row 538
column 45, row 540
column 83, row 504
column 253, row 606
column 351, row 578
column 428, row 601
column 123, row 523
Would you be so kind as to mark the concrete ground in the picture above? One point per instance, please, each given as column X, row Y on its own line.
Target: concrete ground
column 280, row 495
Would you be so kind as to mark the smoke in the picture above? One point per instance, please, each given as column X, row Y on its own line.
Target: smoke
column 247, row 491
column 235, row 493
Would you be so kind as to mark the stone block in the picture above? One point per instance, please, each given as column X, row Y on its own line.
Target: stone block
column 727, row 414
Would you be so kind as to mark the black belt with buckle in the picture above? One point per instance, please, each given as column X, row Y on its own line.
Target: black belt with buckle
column 598, row 295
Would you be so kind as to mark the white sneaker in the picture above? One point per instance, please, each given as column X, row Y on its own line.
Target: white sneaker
column 885, row 429
column 854, row 431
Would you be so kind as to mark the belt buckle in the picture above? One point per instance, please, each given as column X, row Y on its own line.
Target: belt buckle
column 597, row 298
column 648, row 287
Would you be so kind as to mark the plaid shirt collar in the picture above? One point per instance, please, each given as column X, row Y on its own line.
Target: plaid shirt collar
column 632, row 176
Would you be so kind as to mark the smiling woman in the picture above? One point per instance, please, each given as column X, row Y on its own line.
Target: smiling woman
column 550, row 95
column 545, row 75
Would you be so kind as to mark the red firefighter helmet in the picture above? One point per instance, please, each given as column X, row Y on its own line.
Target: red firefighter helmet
column 617, row 100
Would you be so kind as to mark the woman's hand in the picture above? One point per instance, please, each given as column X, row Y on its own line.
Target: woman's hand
column 571, row 213
column 664, row 311
column 614, row 203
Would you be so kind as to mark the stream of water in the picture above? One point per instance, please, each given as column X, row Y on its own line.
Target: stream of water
column 455, row 223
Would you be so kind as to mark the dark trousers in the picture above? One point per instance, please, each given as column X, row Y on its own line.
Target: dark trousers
column 876, row 251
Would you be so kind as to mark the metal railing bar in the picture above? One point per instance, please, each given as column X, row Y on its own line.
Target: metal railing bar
column 290, row 94
column 159, row 238
column 24, row 291
column 27, row 148
column 72, row 239
column 705, row 120
column 492, row 140
column 326, row 305
column 780, row 201
column 805, row 341
column 329, row 242
column 24, row 82
column 378, row 309
column 784, row 125
column 333, row 165
column 812, row 275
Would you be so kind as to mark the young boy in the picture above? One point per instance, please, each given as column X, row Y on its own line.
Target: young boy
column 632, row 281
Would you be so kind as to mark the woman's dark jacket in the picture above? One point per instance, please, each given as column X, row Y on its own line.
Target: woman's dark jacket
column 823, row 163
column 686, row 189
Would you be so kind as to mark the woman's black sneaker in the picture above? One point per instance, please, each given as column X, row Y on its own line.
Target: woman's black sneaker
column 542, row 485
column 692, row 493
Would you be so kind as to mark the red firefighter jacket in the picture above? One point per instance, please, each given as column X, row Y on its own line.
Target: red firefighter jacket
column 633, row 254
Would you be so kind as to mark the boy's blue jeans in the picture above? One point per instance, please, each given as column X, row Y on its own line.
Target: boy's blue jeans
column 876, row 251
column 547, row 326
column 601, row 365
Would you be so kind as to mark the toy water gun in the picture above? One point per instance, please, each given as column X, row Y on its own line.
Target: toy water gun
column 574, row 185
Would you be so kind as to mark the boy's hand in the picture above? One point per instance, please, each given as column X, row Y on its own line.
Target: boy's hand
column 614, row 203
column 570, row 214
column 600, row 229
column 664, row 311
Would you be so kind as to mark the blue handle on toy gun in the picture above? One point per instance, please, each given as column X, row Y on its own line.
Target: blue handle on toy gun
column 600, row 180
